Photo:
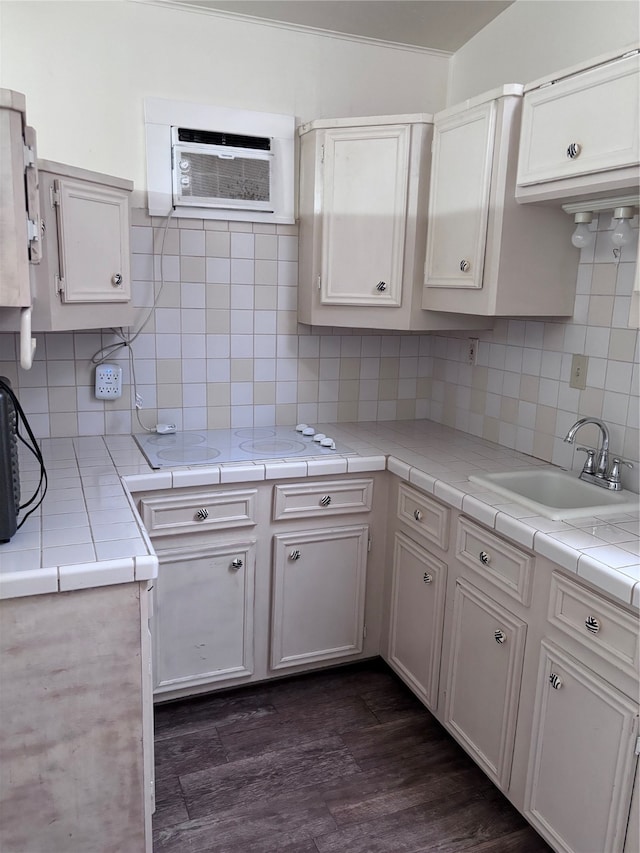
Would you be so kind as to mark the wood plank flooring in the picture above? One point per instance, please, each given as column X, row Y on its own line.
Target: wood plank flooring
column 341, row 761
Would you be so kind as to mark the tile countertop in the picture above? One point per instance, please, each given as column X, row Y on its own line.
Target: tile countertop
column 88, row 532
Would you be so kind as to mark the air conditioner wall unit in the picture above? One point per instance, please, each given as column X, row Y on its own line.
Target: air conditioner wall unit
column 218, row 163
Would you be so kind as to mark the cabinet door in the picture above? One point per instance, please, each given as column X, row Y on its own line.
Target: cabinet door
column 459, row 197
column 417, row 609
column 318, row 595
column 93, row 242
column 582, row 757
column 203, row 619
column 364, row 215
column 483, row 688
column 584, row 124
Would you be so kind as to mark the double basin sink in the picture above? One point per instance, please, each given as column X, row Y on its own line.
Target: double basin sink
column 556, row 494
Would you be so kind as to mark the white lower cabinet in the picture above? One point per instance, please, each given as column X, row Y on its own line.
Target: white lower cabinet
column 583, row 757
column 318, row 595
column 483, row 686
column 417, row 610
column 203, row 620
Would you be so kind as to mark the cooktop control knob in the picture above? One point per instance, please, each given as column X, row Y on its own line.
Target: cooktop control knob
column 308, row 431
column 328, row 442
column 319, row 436
column 301, row 427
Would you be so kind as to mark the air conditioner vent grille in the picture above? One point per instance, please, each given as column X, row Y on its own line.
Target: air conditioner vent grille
column 234, row 140
column 238, row 179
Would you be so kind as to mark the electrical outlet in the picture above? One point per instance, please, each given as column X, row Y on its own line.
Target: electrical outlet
column 578, row 377
column 472, row 352
column 108, row 382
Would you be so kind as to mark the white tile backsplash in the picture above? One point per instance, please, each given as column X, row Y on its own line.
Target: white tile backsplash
column 223, row 348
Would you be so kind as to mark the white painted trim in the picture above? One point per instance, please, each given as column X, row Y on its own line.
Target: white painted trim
column 302, row 28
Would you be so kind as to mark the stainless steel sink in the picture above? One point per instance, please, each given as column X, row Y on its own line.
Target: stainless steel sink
column 556, row 494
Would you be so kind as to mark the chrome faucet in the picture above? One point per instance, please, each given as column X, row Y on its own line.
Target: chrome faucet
column 597, row 471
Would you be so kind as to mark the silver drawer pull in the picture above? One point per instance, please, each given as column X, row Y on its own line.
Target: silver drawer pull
column 592, row 624
column 202, row 514
column 295, row 555
column 484, row 558
column 573, row 150
column 555, row 681
column 116, row 279
column 427, row 578
column 381, row 285
column 500, row 636
column 465, row 266
column 417, row 515
column 325, row 501
column 237, row 563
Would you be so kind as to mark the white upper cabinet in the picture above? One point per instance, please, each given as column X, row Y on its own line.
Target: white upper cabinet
column 486, row 254
column 84, row 279
column 365, row 196
column 580, row 131
column 364, row 186
column 459, row 204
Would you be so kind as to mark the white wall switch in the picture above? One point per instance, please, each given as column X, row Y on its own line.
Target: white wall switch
column 108, row 382
column 578, row 379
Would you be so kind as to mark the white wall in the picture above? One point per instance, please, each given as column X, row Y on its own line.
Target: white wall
column 533, row 38
column 85, row 68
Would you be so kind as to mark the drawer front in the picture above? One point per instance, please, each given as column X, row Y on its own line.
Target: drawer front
column 506, row 566
column 600, row 626
column 164, row 516
column 425, row 516
column 333, row 497
column 562, row 115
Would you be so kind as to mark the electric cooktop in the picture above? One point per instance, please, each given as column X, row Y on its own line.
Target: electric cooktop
column 212, row 446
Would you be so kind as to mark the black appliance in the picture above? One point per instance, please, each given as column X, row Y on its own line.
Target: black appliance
column 11, row 415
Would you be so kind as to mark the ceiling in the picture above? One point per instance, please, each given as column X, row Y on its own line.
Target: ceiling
column 435, row 24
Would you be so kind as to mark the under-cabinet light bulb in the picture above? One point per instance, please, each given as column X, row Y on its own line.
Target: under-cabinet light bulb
column 622, row 234
column 582, row 237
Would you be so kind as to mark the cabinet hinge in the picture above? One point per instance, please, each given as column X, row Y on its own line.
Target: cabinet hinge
column 322, row 153
column 55, row 196
column 637, row 749
column 29, row 156
column 59, row 282
column 319, row 281
column 369, row 544
column 33, row 232
column 364, row 632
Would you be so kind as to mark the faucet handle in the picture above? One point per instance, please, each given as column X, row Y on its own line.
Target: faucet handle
column 589, row 466
column 614, row 474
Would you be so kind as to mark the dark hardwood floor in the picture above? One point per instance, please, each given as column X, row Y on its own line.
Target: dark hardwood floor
column 341, row 761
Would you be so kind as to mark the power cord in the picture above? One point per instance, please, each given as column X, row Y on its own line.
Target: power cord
column 127, row 340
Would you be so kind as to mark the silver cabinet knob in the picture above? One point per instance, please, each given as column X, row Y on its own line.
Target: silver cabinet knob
column 116, row 279
column 465, row 266
column 484, row 558
column 295, row 555
column 325, row 501
column 555, row 681
column 427, row 578
column 500, row 636
column 592, row 624
column 237, row 563
column 417, row 515
column 381, row 285
column 202, row 514
column 573, row 150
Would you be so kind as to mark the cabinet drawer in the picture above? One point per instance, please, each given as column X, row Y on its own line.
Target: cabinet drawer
column 602, row 627
column 506, row 566
column 163, row 516
column 425, row 516
column 333, row 497
column 562, row 115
